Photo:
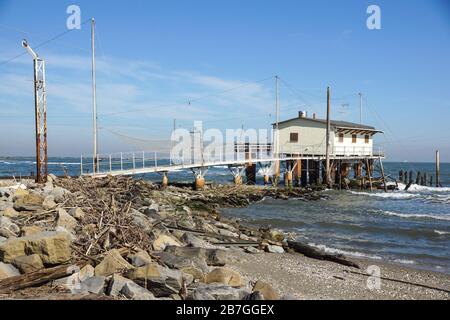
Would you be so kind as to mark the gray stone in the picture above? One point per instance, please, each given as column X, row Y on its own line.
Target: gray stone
column 274, row 249
column 216, row 291
column 2, row 239
column 8, row 228
column 8, row 271
column 77, row 213
column 49, row 203
column 161, row 281
column 66, row 221
column 134, row 291
column 213, row 257
column 254, row 296
column 228, row 233
column 142, row 221
column 29, row 202
column 95, row 285
column 252, row 250
column 139, row 259
column 192, row 267
column 58, row 193
column 193, row 241
column 116, row 285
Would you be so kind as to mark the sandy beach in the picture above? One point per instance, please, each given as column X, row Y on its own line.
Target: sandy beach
column 296, row 276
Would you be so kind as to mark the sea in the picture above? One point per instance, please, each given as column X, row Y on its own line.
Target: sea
column 404, row 227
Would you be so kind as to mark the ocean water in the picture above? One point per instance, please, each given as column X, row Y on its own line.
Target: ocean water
column 411, row 228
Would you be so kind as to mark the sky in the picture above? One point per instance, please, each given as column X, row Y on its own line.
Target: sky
column 216, row 61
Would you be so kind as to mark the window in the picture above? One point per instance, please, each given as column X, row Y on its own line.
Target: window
column 294, row 137
column 367, row 139
column 354, row 138
column 341, row 137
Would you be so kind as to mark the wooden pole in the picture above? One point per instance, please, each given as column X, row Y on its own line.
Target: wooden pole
column 328, row 175
column 369, row 173
column 438, row 169
column 383, row 176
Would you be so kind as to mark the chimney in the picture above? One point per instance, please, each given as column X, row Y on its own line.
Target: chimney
column 302, row 114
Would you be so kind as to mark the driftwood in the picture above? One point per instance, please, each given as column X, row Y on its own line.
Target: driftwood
column 317, row 254
column 34, row 279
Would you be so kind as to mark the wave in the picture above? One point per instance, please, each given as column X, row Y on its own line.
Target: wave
column 393, row 195
column 418, row 188
column 416, row 216
column 442, row 233
column 344, row 252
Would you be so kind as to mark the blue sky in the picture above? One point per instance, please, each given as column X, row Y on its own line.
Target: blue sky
column 156, row 56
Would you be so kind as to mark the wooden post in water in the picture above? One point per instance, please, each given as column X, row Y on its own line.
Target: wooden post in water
column 431, row 181
column 383, row 176
column 400, row 176
column 418, row 178
column 410, row 177
column 369, row 174
column 438, row 169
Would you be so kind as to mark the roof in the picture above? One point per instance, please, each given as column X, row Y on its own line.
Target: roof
column 335, row 123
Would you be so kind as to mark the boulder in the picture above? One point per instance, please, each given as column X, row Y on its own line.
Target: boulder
column 28, row 264
column 193, row 241
column 151, row 210
column 49, row 203
column 112, row 263
column 94, row 285
column 252, row 250
column 266, row 290
column 161, row 281
column 8, row 271
column 77, row 213
column 65, row 220
column 140, row 258
column 19, row 192
column 213, row 257
column 11, row 249
column 163, row 241
column 141, row 220
column 8, row 228
column 196, row 267
column 29, row 202
column 216, row 291
column 274, row 249
column 9, row 213
column 224, row 276
column 58, row 193
column 116, row 284
column 255, row 296
column 134, row 291
column 30, row 230
column 274, row 235
column 52, row 247
column 86, row 272
column 228, row 233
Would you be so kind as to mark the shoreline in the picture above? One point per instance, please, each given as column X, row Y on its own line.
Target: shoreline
column 182, row 217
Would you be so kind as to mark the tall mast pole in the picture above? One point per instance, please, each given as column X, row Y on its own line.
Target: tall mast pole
column 94, row 98
column 360, row 108
column 277, row 112
column 328, row 173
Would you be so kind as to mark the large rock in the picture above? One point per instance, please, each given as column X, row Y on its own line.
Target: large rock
column 116, row 285
column 58, row 193
column 196, row 267
column 213, row 257
column 266, row 290
column 216, row 291
column 134, row 291
column 112, row 263
column 28, row 264
column 49, row 203
column 29, row 202
column 163, row 241
column 8, row 271
column 94, row 285
column 9, row 213
column 274, row 235
column 224, row 276
column 66, row 221
column 30, row 230
column 193, row 241
column 161, row 281
column 77, row 213
column 140, row 258
column 274, row 249
column 8, row 228
column 52, row 247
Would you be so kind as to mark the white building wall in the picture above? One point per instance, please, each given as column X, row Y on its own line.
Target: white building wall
column 348, row 148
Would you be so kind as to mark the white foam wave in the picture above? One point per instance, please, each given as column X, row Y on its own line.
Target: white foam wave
column 389, row 195
column 403, row 261
column 441, row 233
column 347, row 253
column 416, row 216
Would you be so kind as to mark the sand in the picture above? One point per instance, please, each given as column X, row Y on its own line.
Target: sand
column 296, row 276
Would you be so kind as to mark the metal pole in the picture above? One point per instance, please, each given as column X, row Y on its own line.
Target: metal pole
column 143, row 159
column 328, row 138
column 94, row 92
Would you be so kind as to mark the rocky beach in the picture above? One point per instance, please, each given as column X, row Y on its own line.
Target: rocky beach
column 126, row 239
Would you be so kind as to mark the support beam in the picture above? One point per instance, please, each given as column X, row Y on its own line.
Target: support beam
column 438, row 169
column 328, row 175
